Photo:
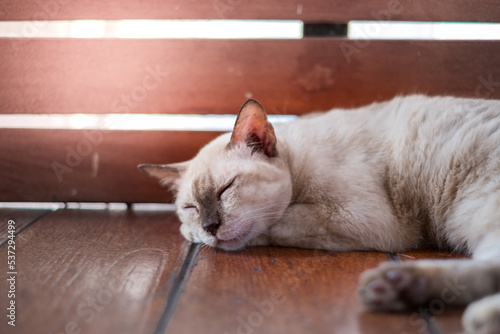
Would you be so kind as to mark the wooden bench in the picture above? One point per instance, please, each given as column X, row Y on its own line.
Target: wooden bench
column 130, row 271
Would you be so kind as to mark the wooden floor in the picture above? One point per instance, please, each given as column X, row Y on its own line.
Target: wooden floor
column 104, row 271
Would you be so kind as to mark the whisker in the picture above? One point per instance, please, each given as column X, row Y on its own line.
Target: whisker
column 262, row 216
column 266, row 207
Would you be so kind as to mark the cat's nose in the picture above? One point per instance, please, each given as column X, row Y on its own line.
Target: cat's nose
column 211, row 226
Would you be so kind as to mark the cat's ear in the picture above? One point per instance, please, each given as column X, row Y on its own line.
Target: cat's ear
column 254, row 130
column 168, row 175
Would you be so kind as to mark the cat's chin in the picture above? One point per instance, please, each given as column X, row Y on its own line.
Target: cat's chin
column 234, row 244
column 231, row 245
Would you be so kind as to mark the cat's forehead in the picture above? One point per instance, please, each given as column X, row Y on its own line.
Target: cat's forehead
column 203, row 190
column 202, row 184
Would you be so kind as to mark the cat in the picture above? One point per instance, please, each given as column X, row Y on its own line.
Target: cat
column 412, row 172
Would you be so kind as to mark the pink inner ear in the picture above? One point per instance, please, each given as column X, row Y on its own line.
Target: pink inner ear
column 253, row 129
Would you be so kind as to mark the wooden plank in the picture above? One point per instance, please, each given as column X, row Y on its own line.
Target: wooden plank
column 97, row 272
column 21, row 218
column 430, row 254
column 279, row 290
column 216, row 76
column 447, row 319
column 78, row 166
column 307, row 10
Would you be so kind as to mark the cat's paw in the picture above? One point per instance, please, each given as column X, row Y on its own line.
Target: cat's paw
column 260, row 240
column 189, row 234
column 393, row 287
column 483, row 316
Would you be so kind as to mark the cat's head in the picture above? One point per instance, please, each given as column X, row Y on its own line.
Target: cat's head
column 235, row 188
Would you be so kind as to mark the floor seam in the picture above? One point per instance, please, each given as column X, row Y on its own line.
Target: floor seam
column 431, row 326
column 422, row 311
column 392, row 257
column 31, row 223
column 176, row 290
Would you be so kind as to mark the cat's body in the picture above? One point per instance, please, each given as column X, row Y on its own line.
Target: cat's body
column 412, row 172
column 405, row 166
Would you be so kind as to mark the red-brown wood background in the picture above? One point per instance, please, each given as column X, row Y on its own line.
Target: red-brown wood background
column 66, row 76
column 306, row 10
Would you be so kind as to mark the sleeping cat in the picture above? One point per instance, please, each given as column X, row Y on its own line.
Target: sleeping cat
column 413, row 172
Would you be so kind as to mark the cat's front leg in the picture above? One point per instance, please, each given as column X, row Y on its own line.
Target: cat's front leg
column 402, row 286
column 483, row 316
column 260, row 240
column 396, row 287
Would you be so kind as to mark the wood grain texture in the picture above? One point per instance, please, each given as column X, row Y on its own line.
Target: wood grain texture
column 279, row 290
column 216, row 76
column 430, row 254
column 449, row 320
column 94, row 272
column 21, row 217
column 92, row 166
column 306, row 10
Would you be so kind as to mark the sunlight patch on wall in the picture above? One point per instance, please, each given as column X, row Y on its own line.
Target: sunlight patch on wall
column 143, row 122
column 387, row 30
column 207, row 29
column 242, row 29
column 88, row 206
column 32, row 205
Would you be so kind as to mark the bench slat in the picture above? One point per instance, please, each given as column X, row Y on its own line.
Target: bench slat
column 306, row 10
column 92, row 166
column 216, row 76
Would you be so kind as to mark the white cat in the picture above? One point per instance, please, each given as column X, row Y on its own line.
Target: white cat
column 415, row 171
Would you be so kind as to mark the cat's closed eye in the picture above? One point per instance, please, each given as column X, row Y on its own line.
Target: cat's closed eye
column 190, row 207
column 225, row 188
